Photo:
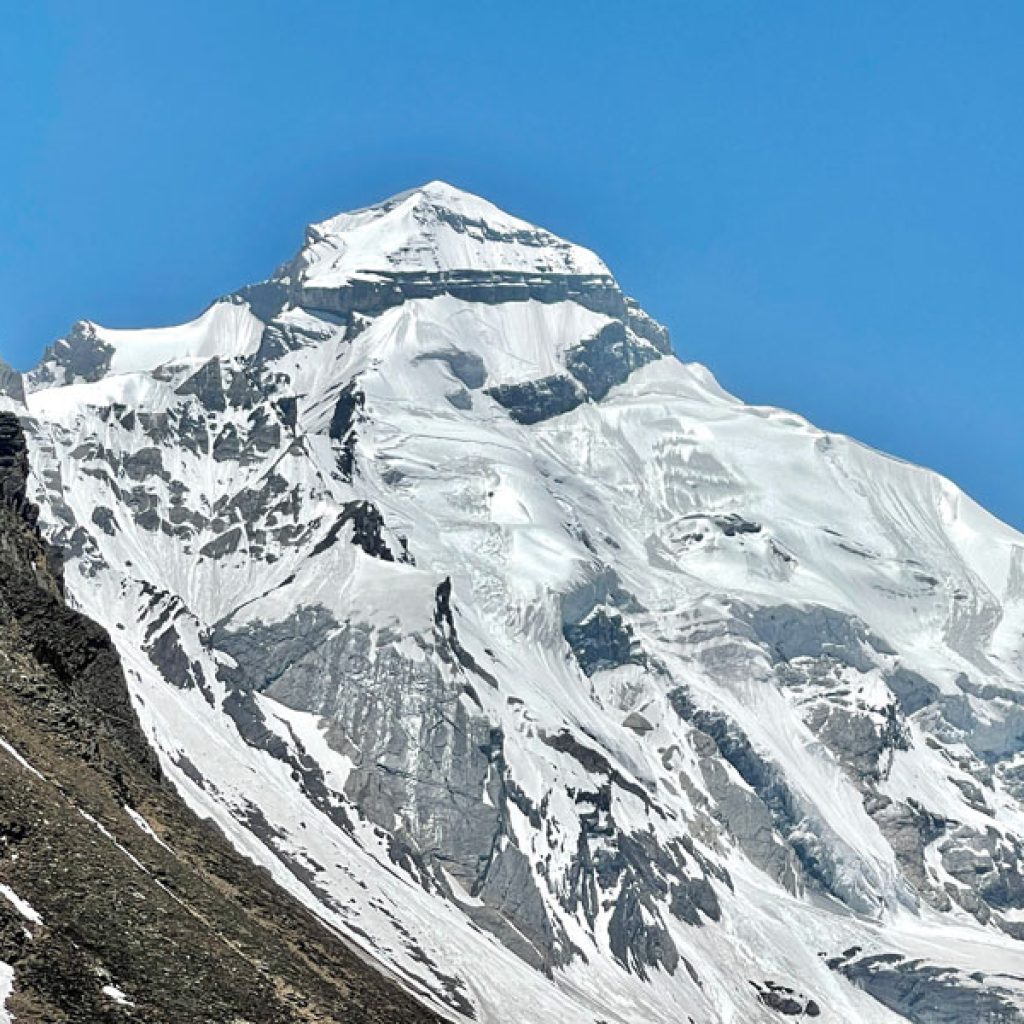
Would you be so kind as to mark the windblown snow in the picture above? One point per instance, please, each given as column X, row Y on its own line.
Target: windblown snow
column 562, row 682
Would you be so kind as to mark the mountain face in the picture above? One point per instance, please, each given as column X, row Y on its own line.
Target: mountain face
column 116, row 902
column 556, row 678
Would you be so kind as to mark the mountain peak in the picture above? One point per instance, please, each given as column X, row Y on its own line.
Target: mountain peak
column 443, row 193
column 428, row 241
column 499, row 639
column 433, row 228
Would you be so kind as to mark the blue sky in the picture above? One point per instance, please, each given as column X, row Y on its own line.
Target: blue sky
column 823, row 201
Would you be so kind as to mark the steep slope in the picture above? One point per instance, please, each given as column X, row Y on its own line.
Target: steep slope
column 561, row 680
column 116, row 902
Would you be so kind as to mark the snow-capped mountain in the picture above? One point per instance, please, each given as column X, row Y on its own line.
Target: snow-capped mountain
column 556, row 678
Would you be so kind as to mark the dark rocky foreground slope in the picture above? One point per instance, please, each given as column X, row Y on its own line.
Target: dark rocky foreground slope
column 116, row 923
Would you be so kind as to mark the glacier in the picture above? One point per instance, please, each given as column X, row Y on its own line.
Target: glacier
column 554, row 677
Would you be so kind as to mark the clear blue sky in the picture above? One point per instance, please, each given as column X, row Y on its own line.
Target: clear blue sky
column 824, row 201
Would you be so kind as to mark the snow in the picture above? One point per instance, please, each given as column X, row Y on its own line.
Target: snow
column 6, row 987
column 226, row 329
column 145, row 826
column 515, row 341
column 114, row 993
column 23, row 907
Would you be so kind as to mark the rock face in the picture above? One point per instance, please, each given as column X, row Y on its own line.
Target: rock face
column 931, row 995
column 11, row 384
column 564, row 683
column 116, row 901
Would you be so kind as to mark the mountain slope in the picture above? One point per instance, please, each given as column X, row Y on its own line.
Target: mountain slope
column 501, row 637
column 116, row 903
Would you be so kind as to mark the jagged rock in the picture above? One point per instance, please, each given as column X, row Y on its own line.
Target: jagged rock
column 602, row 641
column 535, row 401
column 367, row 530
column 816, row 849
column 207, row 384
column 11, row 384
column 342, row 427
column 608, row 359
column 82, row 355
column 637, row 722
column 927, row 994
